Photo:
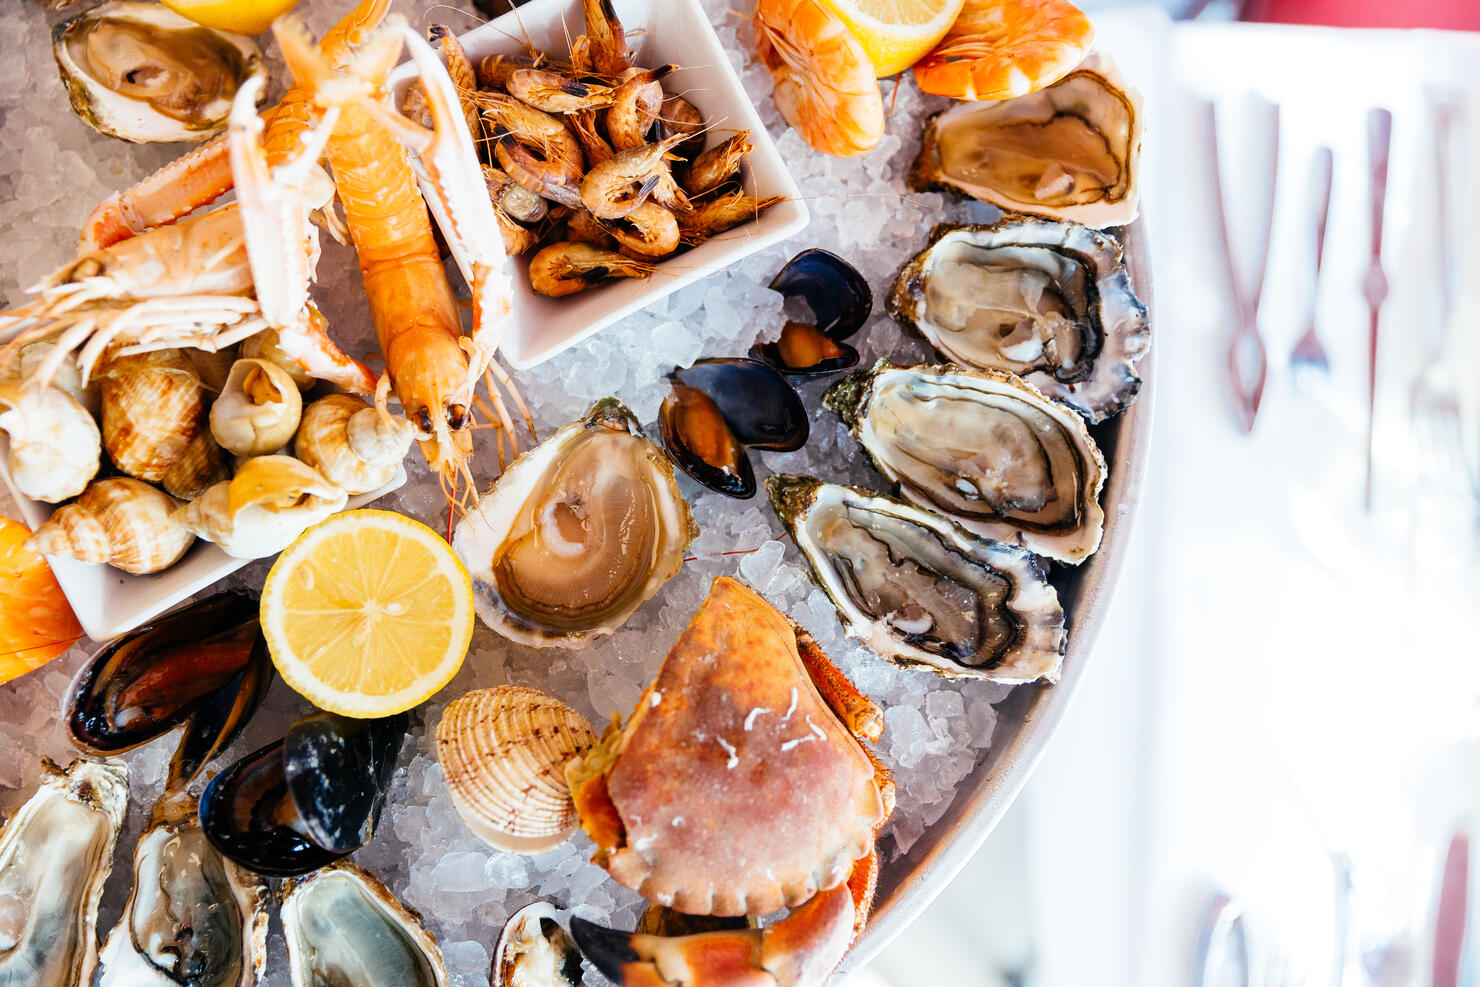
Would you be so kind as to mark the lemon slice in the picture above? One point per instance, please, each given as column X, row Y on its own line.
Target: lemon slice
column 236, row 16
column 896, row 33
column 368, row 613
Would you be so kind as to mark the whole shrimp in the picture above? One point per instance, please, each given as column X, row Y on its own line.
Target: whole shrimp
column 620, row 184
column 554, row 92
column 723, row 213
column 608, row 49
column 635, row 104
column 824, row 82
column 717, row 165
column 565, row 268
column 432, row 366
column 537, row 150
column 647, row 231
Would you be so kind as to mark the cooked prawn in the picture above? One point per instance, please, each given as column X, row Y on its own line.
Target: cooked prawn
column 620, row 184
column 635, row 105
column 536, row 149
column 608, row 41
column 582, row 227
column 998, row 49
column 824, row 82
column 679, row 116
column 723, row 213
column 648, row 231
column 717, row 165
column 596, row 148
column 566, row 268
column 555, row 92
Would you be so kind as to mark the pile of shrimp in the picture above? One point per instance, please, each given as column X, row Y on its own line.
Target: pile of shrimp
column 588, row 160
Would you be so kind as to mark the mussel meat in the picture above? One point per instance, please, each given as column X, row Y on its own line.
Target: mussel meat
column 343, row 926
column 919, row 589
column 577, row 534
column 984, row 448
column 1050, row 302
column 205, row 666
column 306, row 800
column 840, row 301
column 55, row 854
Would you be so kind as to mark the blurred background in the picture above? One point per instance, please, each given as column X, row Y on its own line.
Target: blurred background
column 1271, row 772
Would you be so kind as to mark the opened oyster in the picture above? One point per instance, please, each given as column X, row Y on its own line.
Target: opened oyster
column 984, row 448
column 535, row 951
column 194, row 917
column 55, row 854
column 1071, row 151
column 920, row 590
column 1050, row 302
column 577, row 534
column 344, row 927
column 141, row 72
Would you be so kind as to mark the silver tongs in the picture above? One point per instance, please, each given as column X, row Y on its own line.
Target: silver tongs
column 1374, row 282
column 1248, row 362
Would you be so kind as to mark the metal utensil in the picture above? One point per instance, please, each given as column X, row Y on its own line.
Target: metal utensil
column 1374, row 282
column 1434, row 398
column 1248, row 363
column 1309, row 355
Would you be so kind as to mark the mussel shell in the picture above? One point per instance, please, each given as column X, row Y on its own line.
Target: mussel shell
column 837, row 294
column 770, row 352
column 177, row 649
column 247, row 814
column 338, row 771
column 761, row 409
column 738, row 482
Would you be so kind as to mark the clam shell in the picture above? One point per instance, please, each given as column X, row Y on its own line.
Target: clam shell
column 354, row 446
column 155, row 422
column 503, row 752
column 118, row 521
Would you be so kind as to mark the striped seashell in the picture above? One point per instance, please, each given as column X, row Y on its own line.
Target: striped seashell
column 119, row 521
column 356, row 447
column 503, row 753
column 155, row 424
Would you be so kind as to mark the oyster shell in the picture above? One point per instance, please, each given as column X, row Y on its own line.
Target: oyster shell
column 344, row 927
column 55, row 854
column 577, row 534
column 503, row 752
column 141, row 72
column 985, row 449
column 119, row 521
column 1050, row 302
column 921, row 590
column 534, row 950
column 194, row 917
column 1071, row 151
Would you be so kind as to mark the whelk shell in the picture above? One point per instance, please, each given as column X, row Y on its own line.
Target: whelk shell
column 54, row 442
column 503, row 752
column 355, row 446
column 119, row 521
column 258, row 410
column 271, row 501
column 154, row 422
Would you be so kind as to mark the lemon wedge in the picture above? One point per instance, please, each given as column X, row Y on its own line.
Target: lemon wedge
column 368, row 613
column 896, row 33
column 236, row 16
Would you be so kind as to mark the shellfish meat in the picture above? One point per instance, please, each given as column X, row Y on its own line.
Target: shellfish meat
column 194, row 917
column 985, row 449
column 1070, row 151
column 118, row 521
column 921, row 590
column 271, row 501
column 55, row 854
column 344, row 927
column 503, row 753
column 535, row 951
column 141, row 72
column 577, row 534
column 1050, row 302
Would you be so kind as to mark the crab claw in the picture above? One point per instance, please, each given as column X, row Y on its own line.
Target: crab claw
column 801, row 950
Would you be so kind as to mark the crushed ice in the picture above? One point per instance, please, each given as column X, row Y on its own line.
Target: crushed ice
column 53, row 170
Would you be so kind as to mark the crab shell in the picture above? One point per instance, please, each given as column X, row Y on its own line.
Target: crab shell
column 734, row 789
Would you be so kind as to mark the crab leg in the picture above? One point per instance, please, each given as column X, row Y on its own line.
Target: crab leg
column 860, row 714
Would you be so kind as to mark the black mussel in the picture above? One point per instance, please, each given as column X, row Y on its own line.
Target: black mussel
column 268, row 811
column 840, row 301
column 205, row 666
column 761, row 409
column 805, row 351
column 700, row 443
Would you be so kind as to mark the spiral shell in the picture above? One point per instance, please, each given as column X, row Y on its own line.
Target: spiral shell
column 264, row 346
column 271, row 501
column 119, row 521
column 353, row 445
column 258, row 410
column 503, row 752
column 154, row 422
column 54, row 445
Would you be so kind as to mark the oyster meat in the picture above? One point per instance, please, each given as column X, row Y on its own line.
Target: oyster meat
column 1071, row 151
column 55, row 854
column 577, row 534
column 141, row 72
column 344, row 927
column 919, row 589
column 535, row 951
column 194, row 917
column 985, row 449
column 1050, row 302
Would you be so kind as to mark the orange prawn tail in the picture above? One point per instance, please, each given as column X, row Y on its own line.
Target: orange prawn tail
column 417, row 321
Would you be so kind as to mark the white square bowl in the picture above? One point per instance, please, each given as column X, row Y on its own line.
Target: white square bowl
column 663, row 31
column 109, row 602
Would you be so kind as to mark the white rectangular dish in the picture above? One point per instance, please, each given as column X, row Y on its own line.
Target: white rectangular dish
column 676, row 31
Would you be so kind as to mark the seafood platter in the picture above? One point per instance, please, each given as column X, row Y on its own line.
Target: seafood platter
column 703, row 649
